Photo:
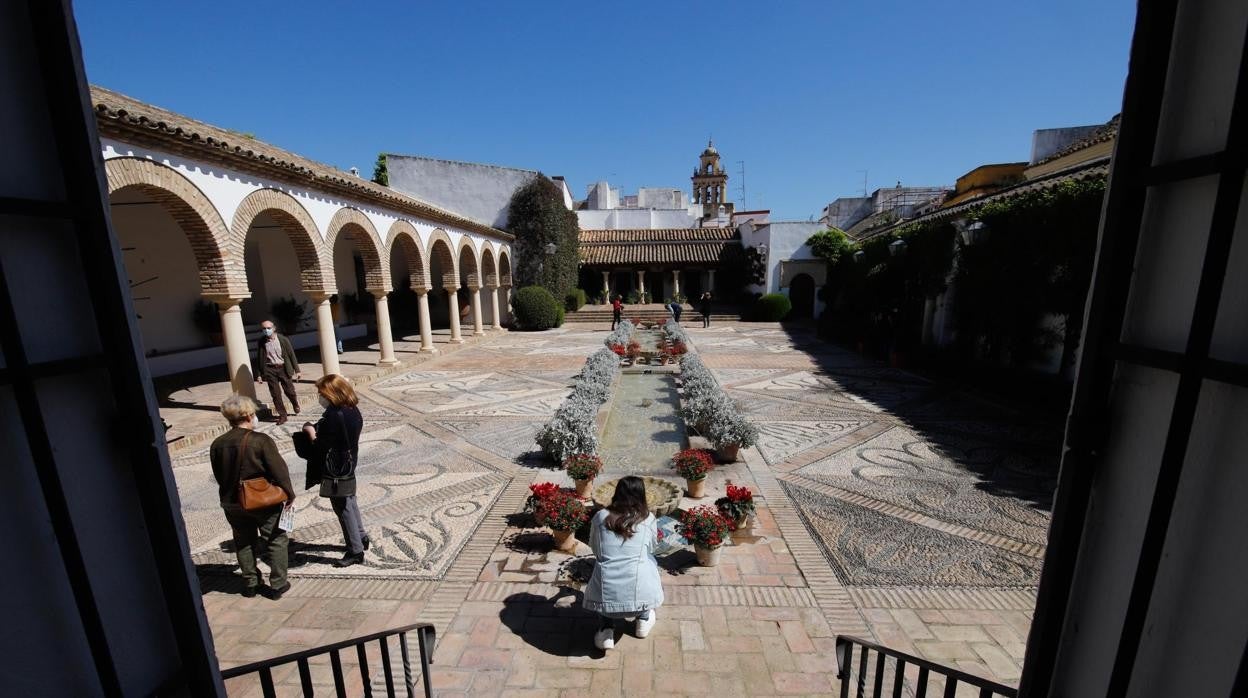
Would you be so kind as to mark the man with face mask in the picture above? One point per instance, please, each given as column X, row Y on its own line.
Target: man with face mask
column 276, row 365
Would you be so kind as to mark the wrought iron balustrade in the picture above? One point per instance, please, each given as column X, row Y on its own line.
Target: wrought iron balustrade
column 425, row 636
column 873, row 659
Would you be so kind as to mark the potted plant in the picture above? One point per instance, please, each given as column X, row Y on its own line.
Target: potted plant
column 620, row 351
column 208, row 320
column 582, row 468
column 679, row 348
column 634, row 350
column 693, row 464
column 729, row 434
column 288, row 313
column 707, row 529
column 737, row 506
column 563, row 514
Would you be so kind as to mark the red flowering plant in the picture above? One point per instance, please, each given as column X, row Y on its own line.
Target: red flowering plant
column 693, row 463
column 678, row 349
column 737, row 505
column 561, row 511
column 582, row 466
column 537, row 492
column 634, row 348
column 619, row 350
column 704, row 526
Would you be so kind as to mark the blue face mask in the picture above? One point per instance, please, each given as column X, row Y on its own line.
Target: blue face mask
column 268, row 332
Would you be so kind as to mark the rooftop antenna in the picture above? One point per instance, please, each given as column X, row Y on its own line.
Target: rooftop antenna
column 864, row 183
column 741, row 171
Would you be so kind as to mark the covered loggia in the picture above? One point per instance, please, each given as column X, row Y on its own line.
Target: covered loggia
column 409, row 271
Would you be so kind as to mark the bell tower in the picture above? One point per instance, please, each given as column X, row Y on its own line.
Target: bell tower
column 710, row 183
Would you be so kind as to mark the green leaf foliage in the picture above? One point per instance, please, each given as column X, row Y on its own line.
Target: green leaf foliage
column 830, row 245
column 534, row 308
column 538, row 218
column 772, row 307
column 381, row 173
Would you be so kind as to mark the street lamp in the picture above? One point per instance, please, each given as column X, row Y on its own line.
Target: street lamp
column 897, row 247
column 762, row 251
column 550, row 249
column 974, row 233
column 860, row 257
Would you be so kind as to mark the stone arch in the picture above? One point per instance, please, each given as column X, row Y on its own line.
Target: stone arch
column 469, row 267
column 221, row 271
column 354, row 224
column 403, row 237
column 489, row 270
column 504, row 267
column 440, row 248
column 299, row 227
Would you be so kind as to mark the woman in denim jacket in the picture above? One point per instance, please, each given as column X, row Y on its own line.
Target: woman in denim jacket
column 625, row 583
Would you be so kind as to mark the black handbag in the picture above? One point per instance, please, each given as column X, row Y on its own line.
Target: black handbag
column 338, row 472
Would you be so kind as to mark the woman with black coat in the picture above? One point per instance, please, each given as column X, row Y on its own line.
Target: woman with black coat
column 335, row 456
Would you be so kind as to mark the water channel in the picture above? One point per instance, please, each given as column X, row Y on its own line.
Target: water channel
column 643, row 429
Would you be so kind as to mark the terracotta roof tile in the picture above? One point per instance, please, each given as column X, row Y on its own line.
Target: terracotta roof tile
column 127, row 119
column 1107, row 132
column 635, row 235
column 657, row 253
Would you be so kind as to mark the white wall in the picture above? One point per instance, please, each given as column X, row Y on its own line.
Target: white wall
column 480, row 192
column 635, row 218
column 158, row 256
column 272, row 273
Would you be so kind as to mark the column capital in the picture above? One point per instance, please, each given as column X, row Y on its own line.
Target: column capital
column 226, row 300
column 379, row 292
column 319, row 297
column 451, row 288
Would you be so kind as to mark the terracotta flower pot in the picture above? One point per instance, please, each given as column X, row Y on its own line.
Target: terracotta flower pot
column 696, row 488
column 707, row 557
column 582, row 487
column 565, row 541
column 728, row 452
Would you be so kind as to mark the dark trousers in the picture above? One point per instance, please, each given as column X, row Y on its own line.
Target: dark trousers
column 245, row 525
column 676, row 314
column 706, row 319
column 615, row 317
column 348, row 512
column 280, row 383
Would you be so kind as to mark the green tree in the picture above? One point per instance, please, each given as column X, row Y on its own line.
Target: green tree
column 830, row 245
column 538, row 218
column 381, row 174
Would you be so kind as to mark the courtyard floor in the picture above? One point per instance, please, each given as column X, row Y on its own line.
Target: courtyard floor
column 890, row 508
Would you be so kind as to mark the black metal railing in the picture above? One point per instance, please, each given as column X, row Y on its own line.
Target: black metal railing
column 425, row 635
column 873, row 660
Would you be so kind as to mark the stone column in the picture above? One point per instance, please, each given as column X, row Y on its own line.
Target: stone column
column 426, row 332
column 507, row 303
column 384, row 337
column 477, row 328
column 710, row 284
column 496, row 316
column 675, row 283
column 325, row 332
column 641, row 281
column 606, row 285
column 452, row 303
column 237, row 355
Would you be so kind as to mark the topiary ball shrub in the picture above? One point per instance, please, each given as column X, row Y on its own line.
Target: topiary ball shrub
column 574, row 300
column 772, row 307
column 533, row 308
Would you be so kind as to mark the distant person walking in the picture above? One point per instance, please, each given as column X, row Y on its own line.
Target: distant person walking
column 704, row 307
column 617, row 310
column 334, row 459
column 243, row 454
column 276, row 365
column 625, row 583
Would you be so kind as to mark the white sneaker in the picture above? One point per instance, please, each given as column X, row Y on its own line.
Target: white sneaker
column 644, row 625
column 605, row 639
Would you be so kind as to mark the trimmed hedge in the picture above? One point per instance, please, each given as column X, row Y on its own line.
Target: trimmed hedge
column 535, row 309
column 772, row 307
column 574, row 300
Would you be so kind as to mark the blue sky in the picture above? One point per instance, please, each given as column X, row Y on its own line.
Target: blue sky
column 807, row 94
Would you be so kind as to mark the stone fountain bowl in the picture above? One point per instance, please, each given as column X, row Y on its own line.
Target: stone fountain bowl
column 662, row 497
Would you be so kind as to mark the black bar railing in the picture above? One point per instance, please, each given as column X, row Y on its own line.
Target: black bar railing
column 877, row 670
column 426, row 636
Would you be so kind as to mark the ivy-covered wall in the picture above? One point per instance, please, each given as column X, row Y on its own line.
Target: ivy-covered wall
column 538, row 217
column 1034, row 263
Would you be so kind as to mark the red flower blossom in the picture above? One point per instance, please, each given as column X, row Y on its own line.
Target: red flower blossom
column 704, row 526
column 693, row 463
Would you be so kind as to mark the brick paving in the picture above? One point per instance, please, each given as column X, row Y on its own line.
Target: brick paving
column 761, row 623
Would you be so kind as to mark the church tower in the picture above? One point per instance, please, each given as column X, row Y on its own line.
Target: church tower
column 710, row 183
